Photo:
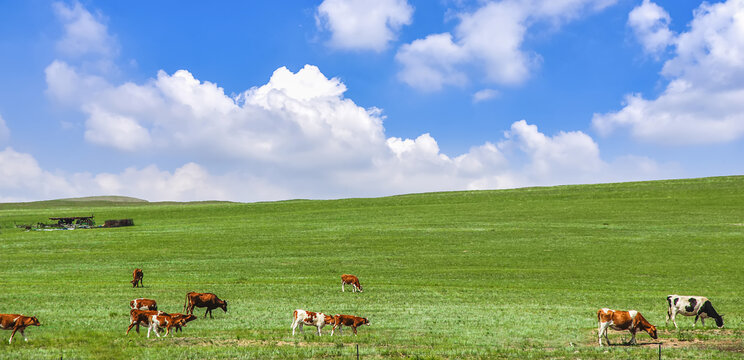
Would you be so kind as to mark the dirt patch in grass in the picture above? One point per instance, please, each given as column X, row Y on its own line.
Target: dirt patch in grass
column 724, row 340
column 193, row 341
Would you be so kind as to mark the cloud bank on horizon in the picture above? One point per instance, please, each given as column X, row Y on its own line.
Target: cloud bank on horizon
column 300, row 136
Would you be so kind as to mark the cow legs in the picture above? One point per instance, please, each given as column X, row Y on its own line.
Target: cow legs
column 294, row 326
column 696, row 319
column 11, row 336
column 702, row 321
column 24, row 335
column 632, row 337
column 302, row 327
column 342, row 287
column 354, row 327
column 319, row 334
column 674, row 321
column 603, row 330
column 154, row 328
column 131, row 326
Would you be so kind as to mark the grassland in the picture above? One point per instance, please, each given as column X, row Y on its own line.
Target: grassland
column 482, row 274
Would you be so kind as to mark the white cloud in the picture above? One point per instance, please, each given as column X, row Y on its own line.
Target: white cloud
column 485, row 94
column 702, row 103
column 489, row 41
column 363, row 24
column 650, row 23
column 84, row 33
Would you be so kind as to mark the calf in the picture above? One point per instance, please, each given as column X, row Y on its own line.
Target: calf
column 302, row 317
column 17, row 322
column 351, row 280
column 137, row 278
column 137, row 317
column 207, row 300
column 698, row 306
column 630, row 320
column 143, row 304
column 348, row 320
column 163, row 321
column 186, row 319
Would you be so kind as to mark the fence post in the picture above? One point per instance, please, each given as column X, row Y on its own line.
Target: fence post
column 659, row 351
column 357, row 351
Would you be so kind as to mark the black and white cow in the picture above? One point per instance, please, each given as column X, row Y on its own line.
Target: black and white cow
column 697, row 306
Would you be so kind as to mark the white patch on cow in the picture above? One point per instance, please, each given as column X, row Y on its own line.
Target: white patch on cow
column 605, row 310
column 632, row 314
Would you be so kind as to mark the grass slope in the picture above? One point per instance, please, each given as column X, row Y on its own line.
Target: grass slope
column 481, row 274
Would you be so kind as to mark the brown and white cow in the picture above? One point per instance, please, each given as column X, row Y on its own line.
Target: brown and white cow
column 351, row 280
column 163, row 320
column 630, row 320
column 348, row 320
column 137, row 317
column 303, row 317
column 137, row 278
column 17, row 322
column 143, row 304
column 207, row 300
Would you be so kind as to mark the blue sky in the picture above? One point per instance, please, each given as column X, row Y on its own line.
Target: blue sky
column 271, row 100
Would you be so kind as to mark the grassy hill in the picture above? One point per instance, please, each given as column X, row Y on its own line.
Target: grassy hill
column 476, row 274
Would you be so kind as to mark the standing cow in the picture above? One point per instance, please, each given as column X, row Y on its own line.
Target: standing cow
column 339, row 321
column 351, row 280
column 137, row 278
column 143, row 304
column 630, row 320
column 17, row 322
column 697, row 306
column 207, row 300
column 301, row 317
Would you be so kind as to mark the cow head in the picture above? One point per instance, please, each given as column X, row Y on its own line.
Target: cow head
column 134, row 283
column 188, row 318
column 651, row 330
column 365, row 322
column 32, row 321
column 719, row 321
column 223, row 305
column 328, row 319
column 360, row 288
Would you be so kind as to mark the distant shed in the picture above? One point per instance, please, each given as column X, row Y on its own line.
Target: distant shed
column 118, row 223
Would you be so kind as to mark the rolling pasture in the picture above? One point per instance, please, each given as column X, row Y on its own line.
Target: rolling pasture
column 475, row 274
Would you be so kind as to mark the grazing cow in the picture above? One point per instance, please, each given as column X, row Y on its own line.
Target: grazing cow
column 630, row 320
column 137, row 317
column 163, row 321
column 698, row 306
column 137, row 278
column 17, row 322
column 207, row 300
column 302, row 317
column 348, row 320
column 351, row 280
column 143, row 304
column 186, row 319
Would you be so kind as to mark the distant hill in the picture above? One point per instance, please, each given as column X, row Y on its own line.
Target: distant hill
column 116, row 199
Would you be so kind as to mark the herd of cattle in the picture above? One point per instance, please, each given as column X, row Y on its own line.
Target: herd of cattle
column 631, row 320
column 145, row 312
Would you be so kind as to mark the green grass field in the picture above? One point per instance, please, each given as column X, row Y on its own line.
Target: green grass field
column 478, row 274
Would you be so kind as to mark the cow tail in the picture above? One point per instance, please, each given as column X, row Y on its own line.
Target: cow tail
column 186, row 303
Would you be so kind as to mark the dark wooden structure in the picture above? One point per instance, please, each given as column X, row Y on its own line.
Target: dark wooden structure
column 74, row 221
column 118, row 223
